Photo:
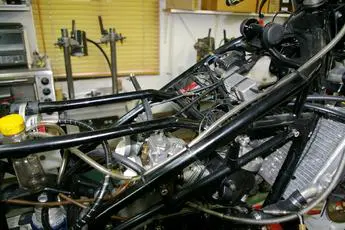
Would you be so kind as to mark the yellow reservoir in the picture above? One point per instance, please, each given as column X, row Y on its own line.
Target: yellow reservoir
column 11, row 125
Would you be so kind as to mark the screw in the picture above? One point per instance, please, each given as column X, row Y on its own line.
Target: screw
column 43, row 197
column 295, row 133
column 164, row 190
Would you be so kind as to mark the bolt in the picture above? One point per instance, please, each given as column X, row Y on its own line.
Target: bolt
column 295, row 133
column 257, row 215
column 338, row 14
column 43, row 197
column 164, row 190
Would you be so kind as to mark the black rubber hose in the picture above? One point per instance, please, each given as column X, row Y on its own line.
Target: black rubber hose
column 84, row 219
column 262, row 4
column 28, row 147
column 45, row 218
column 288, row 62
column 58, row 106
column 325, row 98
column 121, row 160
column 128, row 163
column 323, row 110
column 102, row 51
column 81, row 124
column 326, row 111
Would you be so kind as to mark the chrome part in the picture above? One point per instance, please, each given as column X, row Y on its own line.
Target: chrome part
column 161, row 147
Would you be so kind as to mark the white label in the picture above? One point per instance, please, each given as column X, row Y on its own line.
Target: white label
column 286, row 1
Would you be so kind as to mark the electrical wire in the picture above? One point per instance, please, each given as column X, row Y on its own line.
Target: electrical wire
column 280, row 12
column 102, row 51
column 72, row 201
column 262, row 4
column 84, row 219
column 63, row 167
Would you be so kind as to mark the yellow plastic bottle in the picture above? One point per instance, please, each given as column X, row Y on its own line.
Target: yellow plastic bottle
column 28, row 169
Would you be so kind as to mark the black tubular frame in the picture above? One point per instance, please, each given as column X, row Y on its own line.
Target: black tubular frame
column 58, row 106
column 286, row 89
column 291, row 85
column 27, row 147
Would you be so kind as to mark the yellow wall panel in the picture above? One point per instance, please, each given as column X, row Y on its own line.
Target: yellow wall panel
column 138, row 20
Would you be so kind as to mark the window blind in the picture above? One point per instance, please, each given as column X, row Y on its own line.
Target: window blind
column 137, row 20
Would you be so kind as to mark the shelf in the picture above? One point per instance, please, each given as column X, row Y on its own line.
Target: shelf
column 14, row 8
column 210, row 12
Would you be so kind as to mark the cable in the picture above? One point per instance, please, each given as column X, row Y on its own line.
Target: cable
column 325, row 98
column 262, row 4
column 63, row 167
column 81, row 124
column 72, row 201
column 102, row 51
column 280, row 12
column 322, row 109
column 84, row 219
column 325, row 110
column 45, row 218
column 288, row 62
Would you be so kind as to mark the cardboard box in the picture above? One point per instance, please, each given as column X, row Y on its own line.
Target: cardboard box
column 183, row 4
column 271, row 6
column 247, row 6
column 285, row 5
column 274, row 6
